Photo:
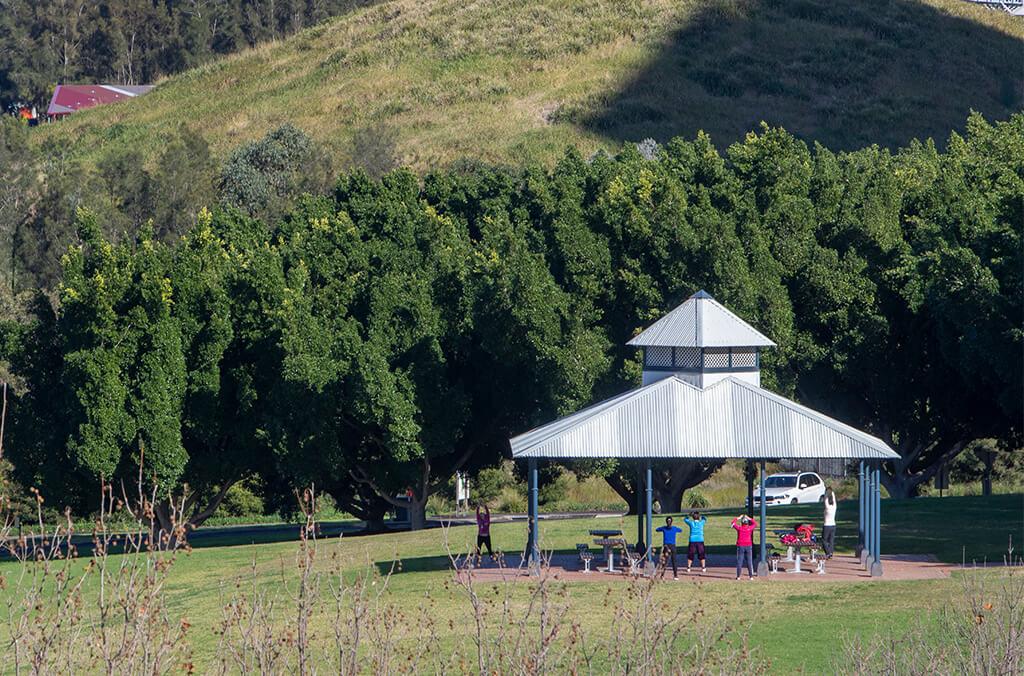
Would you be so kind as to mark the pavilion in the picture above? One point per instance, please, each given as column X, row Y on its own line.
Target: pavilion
column 701, row 399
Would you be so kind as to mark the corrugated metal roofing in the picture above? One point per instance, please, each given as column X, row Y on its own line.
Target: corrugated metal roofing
column 69, row 98
column 674, row 419
column 701, row 321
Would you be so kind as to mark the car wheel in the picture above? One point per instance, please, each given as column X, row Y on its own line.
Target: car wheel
column 794, row 501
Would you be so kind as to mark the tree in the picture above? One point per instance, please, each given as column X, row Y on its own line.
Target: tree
column 18, row 184
column 260, row 178
column 142, row 367
column 902, row 295
column 671, row 479
column 399, row 307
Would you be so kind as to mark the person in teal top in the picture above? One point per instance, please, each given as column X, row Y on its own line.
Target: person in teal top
column 668, row 549
column 696, row 549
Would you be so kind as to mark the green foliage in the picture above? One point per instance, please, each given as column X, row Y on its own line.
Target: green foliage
column 47, row 187
column 132, row 42
column 1007, row 465
column 372, row 341
column 696, row 500
column 241, row 500
column 261, row 176
column 489, row 483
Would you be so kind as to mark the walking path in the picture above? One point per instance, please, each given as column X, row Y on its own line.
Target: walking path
column 721, row 568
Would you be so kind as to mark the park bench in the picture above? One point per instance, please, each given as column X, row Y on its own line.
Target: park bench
column 586, row 556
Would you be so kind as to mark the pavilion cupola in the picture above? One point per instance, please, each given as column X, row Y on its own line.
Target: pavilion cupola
column 702, row 343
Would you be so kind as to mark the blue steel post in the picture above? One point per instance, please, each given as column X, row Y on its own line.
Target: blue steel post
column 762, row 565
column 639, row 508
column 876, row 547
column 860, row 510
column 869, row 520
column 533, row 542
column 649, row 487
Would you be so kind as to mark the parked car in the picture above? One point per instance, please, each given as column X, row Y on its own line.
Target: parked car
column 791, row 489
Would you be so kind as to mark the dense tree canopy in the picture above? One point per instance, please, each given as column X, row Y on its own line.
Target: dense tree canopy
column 374, row 340
column 135, row 41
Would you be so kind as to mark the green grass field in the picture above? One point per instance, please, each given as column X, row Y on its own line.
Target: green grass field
column 796, row 627
column 431, row 81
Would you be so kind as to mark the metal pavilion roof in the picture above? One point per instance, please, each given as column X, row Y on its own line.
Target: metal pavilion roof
column 701, row 321
column 672, row 419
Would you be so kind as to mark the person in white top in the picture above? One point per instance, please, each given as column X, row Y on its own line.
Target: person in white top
column 829, row 532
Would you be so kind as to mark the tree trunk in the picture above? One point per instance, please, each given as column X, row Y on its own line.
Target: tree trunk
column 365, row 505
column 671, row 500
column 989, row 458
column 626, row 490
column 417, row 515
column 902, row 482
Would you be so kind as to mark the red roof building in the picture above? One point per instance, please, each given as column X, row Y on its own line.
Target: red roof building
column 69, row 98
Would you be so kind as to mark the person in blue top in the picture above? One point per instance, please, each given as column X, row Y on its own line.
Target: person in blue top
column 696, row 549
column 668, row 549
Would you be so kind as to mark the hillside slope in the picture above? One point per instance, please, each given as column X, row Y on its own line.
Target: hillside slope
column 504, row 80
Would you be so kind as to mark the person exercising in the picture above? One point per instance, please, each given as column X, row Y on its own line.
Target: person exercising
column 695, row 549
column 668, row 548
column 483, row 530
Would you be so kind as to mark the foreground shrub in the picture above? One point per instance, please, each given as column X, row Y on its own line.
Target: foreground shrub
column 982, row 632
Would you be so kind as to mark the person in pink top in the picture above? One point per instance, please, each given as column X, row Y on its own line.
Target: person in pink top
column 745, row 527
column 483, row 530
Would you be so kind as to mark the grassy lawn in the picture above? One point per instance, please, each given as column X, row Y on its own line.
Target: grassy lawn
column 432, row 81
column 795, row 626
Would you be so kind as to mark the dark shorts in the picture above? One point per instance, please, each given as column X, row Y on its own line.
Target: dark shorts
column 482, row 540
column 696, row 551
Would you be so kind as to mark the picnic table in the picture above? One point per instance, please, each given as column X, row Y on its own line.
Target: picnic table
column 797, row 546
column 609, row 539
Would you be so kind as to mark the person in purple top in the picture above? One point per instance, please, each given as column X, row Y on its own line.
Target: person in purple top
column 483, row 530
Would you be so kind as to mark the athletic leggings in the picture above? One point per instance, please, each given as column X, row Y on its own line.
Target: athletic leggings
column 829, row 540
column 746, row 553
column 668, row 553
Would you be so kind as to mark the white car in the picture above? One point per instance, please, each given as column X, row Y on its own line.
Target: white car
column 790, row 489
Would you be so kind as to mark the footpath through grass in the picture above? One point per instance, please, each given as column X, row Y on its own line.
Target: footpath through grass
column 795, row 626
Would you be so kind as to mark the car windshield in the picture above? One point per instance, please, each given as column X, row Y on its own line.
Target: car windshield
column 780, row 482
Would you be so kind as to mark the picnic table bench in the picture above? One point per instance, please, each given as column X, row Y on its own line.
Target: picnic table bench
column 795, row 549
column 609, row 540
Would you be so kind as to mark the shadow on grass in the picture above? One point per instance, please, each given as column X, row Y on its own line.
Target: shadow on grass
column 846, row 74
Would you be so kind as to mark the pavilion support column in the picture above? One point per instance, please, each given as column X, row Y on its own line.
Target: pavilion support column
column 869, row 520
column 860, row 511
column 749, row 472
column 649, row 526
column 640, row 509
column 876, row 545
column 762, row 564
column 533, row 540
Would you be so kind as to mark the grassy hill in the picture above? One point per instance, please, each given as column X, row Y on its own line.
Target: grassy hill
column 504, row 80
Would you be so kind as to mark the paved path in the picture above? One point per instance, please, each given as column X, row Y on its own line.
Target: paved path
column 722, row 568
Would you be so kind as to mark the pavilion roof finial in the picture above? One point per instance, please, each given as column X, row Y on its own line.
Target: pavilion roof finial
column 701, row 321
